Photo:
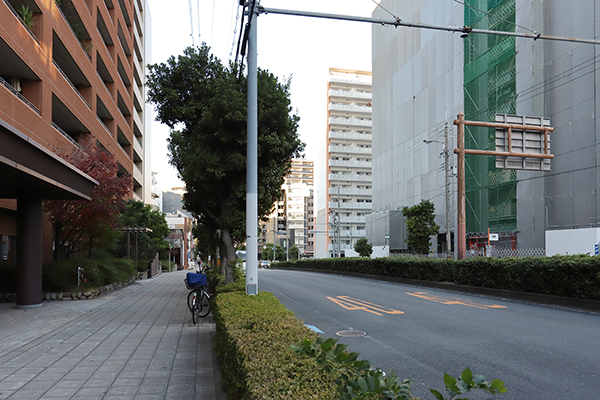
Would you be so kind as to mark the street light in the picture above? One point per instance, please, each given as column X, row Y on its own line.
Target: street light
column 447, row 173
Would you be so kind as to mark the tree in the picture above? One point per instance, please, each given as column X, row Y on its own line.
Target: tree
column 138, row 214
column 294, row 252
column 363, row 247
column 267, row 252
column 204, row 104
column 420, row 224
column 80, row 225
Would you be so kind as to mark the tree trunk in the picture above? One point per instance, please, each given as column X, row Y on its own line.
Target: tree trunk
column 228, row 249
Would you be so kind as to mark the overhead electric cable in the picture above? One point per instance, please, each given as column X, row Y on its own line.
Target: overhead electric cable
column 212, row 23
column 234, row 26
column 384, row 9
column 191, row 22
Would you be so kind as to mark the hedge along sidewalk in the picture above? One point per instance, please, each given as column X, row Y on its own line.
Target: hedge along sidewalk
column 473, row 275
column 254, row 335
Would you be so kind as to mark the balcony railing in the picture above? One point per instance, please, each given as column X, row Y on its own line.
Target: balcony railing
column 351, row 108
column 65, row 134
column 350, row 121
column 350, row 135
column 350, row 163
column 350, row 93
column 70, row 83
column 19, row 95
column 350, row 149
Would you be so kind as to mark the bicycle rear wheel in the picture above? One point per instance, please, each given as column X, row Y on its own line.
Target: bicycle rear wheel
column 195, row 307
column 203, row 304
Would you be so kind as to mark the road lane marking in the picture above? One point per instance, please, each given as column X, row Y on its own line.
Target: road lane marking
column 452, row 300
column 352, row 304
column 314, row 329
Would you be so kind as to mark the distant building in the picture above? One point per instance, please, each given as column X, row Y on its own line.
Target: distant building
column 344, row 191
column 172, row 202
column 290, row 212
column 180, row 239
column 156, row 195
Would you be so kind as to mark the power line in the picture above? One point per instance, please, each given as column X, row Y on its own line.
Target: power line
column 191, row 22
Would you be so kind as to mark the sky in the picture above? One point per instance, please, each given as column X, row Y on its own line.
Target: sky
column 288, row 46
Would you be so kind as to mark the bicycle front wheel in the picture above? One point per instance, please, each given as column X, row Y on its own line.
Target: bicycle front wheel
column 203, row 304
column 190, row 300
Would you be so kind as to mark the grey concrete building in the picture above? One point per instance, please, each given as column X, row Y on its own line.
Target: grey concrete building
column 423, row 78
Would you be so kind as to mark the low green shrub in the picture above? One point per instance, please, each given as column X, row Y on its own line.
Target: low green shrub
column 576, row 276
column 254, row 336
column 61, row 276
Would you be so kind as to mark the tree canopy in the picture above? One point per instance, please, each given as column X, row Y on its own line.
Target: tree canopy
column 204, row 104
column 82, row 226
column 363, row 247
column 138, row 214
column 420, row 224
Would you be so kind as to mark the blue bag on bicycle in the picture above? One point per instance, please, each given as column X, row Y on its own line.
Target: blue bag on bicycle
column 195, row 279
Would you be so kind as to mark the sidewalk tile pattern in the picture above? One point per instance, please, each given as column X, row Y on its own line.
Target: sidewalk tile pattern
column 135, row 343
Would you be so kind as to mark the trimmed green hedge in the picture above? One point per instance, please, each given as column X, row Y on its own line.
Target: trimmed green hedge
column 254, row 335
column 576, row 276
column 61, row 276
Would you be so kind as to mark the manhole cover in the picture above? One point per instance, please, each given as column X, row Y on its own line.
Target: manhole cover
column 351, row 333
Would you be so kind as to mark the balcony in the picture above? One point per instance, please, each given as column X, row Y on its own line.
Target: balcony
column 356, row 79
column 353, row 108
column 65, row 121
column 350, row 178
column 350, row 94
column 350, row 163
column 367, row 137
column 351, row 205
column 350, row 149
column 350, row 121
column 333, row 191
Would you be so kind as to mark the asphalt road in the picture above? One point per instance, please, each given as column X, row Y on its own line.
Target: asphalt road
column 539, row 352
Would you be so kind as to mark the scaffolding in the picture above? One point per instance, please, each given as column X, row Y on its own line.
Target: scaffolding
column 489, row 89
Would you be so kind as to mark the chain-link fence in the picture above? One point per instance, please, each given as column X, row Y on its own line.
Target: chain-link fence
column 483, row 252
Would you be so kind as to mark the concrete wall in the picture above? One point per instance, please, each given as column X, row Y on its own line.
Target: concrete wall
column 417, row 89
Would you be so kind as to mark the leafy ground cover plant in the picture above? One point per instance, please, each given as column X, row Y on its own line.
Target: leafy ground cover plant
column 358, row 380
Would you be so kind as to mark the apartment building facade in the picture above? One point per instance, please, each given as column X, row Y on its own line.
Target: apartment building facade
column 72, row 73
column 347, row 181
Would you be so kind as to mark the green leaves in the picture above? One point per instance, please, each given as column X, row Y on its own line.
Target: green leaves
column 356, row 379
column 420, row 224
column 468, row 382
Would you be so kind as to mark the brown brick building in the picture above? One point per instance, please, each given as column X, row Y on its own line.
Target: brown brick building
column 71, row 72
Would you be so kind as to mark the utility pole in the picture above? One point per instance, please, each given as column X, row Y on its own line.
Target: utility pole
column 275, row 227
column 339, row 218
column 447, row 166
column 252, row 157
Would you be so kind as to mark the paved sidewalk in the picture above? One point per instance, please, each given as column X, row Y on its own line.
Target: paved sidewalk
column 134, row 343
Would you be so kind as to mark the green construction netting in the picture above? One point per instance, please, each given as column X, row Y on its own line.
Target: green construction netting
column 489, row 88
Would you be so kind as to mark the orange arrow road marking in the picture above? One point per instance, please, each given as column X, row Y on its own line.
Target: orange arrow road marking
column 452, row 300
column 350, row 303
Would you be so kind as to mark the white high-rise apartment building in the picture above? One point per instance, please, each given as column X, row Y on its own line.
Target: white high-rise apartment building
column 297, row 187
column 347, row 181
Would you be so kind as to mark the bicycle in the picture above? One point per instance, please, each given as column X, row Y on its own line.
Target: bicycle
column 198, row 300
